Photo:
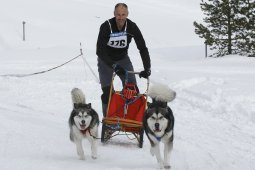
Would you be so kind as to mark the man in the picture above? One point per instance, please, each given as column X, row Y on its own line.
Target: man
column 112, row 50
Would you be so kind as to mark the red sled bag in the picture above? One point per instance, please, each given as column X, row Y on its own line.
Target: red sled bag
column 127, row 105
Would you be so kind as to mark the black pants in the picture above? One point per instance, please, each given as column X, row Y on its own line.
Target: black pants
column 105, row 76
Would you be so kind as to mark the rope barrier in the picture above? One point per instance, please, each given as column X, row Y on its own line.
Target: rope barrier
column 40, row 72
column 53, row 68
column 85, row 62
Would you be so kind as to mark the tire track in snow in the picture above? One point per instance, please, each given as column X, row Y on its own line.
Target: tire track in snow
column 202, row 111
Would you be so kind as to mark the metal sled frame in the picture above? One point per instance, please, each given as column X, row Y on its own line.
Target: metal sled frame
column 123, row 114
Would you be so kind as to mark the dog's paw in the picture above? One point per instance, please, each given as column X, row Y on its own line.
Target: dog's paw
column 94, row 153
column 161, row 165
column 167, row 166
column 152, row 151
column 94, row 157
column 82, row 157
column 81, row 154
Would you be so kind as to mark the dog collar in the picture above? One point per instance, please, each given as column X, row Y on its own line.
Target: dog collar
column 84, row 131
column 158, row 138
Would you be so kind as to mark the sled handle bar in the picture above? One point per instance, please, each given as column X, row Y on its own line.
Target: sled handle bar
column 133, row 72
column 148, row 80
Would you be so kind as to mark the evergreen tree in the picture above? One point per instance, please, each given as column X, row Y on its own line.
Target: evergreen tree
column 230, row 26
column 245, row 22
column 218, row 32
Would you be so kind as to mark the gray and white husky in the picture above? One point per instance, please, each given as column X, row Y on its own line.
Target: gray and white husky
column 83, row 123
column 159, row 123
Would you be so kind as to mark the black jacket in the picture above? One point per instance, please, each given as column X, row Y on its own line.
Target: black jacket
column 109, row 54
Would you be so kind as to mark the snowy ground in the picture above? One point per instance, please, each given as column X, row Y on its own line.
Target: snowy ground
column 214, row 108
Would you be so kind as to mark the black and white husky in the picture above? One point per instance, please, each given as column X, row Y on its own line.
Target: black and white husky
column 159, row 123
column 83, row 123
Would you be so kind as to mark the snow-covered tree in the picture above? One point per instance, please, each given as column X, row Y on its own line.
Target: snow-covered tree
column 245, row 24
column 229, row 26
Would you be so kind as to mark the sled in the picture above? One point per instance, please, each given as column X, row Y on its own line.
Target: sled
column 125, row 112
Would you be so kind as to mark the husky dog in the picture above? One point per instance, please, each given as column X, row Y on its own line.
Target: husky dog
column 159, row 123
column 83, row 123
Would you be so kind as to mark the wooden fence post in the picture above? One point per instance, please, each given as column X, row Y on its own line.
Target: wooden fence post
column 24, row 30
column 205, row 49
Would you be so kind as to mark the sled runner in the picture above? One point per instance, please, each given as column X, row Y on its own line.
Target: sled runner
column 125, row 112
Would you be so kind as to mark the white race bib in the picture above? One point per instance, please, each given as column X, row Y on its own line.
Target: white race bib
column 118, row 40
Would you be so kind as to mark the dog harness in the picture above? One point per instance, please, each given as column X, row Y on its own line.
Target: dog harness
column 118, row 39
column 84, row 131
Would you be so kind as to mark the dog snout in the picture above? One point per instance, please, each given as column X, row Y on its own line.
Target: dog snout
column 157, row 126
column 83, row 122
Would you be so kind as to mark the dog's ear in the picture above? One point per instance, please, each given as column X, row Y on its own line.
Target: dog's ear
column 88, row 106
column 75, row 106
column 149, row 104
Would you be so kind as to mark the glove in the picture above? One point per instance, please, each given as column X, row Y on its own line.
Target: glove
column 145, row 73
column 118, row 69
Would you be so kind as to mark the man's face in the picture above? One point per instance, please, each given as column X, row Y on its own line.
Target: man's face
column 121, row 14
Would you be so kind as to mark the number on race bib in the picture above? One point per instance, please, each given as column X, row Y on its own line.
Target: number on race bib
column 118, row 43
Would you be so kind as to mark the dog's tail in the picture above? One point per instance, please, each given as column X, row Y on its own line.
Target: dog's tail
column 161, row 93
column 78, row 96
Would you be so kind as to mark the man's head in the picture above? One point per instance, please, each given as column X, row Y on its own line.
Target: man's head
column 121, row 14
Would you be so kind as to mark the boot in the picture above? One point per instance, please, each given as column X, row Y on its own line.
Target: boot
column 108, row 132
column 104, row 109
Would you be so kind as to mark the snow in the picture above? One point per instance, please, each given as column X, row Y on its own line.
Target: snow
column 214, row 108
